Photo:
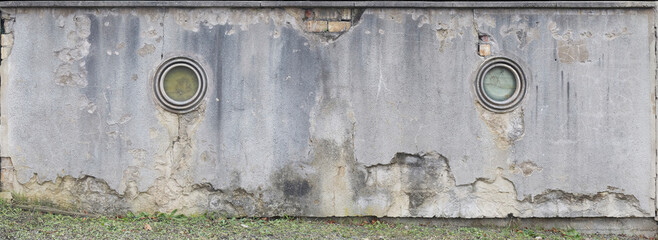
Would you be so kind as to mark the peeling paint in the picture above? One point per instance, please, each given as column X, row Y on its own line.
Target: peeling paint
column 572, row 51
column 444, row 34
column 173, row 189
column 506, row 127
column 526, row 168
column 146, row 49
column 417, row 185
column 569, row 50
column 447, row 31
column 192, row 19
column 523, row 29
column 87, row 105
column 423, row 185
column 71, row 71
column 623, row 33
column 94, row 195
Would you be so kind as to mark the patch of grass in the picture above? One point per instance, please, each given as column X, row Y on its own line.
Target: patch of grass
column 571, row 234
column 18, row 198
column 21, row 224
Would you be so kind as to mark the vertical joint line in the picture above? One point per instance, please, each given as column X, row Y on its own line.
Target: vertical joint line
column 655, row 100
column 2, row 32
column 164, row 16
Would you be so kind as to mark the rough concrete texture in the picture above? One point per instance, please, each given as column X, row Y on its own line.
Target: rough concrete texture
column 381, row 120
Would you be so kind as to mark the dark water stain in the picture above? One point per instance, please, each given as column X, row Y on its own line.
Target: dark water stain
column 296, row 188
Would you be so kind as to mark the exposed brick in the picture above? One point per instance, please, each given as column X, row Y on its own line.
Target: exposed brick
column 484, row 49
column 7, row 40
column 308, row 14
column 346, row 14
column 4, row 53
column 339, row 26
column 327, row 13
column 9, row 25
column 484, row 38
column 316, row 26
column 6, row 173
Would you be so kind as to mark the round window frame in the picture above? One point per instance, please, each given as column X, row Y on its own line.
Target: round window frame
column 166, row 101
column 513, row 101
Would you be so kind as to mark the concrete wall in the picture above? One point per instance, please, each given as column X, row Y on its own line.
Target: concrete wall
column 379, row 119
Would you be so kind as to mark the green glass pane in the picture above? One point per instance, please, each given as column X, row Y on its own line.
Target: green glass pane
column 180, row 83
column 499, row 83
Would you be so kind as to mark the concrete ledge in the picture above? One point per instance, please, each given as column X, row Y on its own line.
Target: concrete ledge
column 372, row 4
column 631, row 226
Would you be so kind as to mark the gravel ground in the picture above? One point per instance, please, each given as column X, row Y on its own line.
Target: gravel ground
column 16, row 223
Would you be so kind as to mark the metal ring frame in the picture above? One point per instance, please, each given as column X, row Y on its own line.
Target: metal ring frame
column 513, row 101
column 171, row 104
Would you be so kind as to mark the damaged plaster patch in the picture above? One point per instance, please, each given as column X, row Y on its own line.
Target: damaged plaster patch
column 523, row 30
column 586, row 34
column 445, row 34
column 572, row 51
column 446, row 31
column 623, row 33
column 71, row 72
column 174, row 188
column 423, row 185
column 569, row 50
column 242, row 19
column 505, row 127
column 86, row 105
column 407, row 184
column 411, row 185
column 146, row 49
column 485, row 19
column 7, row 174
column 526, row 168
column 332, row 127
column 448, row 25
column 193, row 19
column 95, row 196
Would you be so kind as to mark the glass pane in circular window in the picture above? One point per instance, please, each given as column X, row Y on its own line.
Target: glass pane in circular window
column 499, row 83
column 180, row 83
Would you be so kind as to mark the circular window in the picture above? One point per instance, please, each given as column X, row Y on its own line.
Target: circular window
column 180, row 84
column 500, row 85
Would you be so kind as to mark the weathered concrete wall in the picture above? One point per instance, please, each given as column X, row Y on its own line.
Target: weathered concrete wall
column 379, row 120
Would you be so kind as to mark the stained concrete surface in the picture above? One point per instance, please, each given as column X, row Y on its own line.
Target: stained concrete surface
column 382, row 120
